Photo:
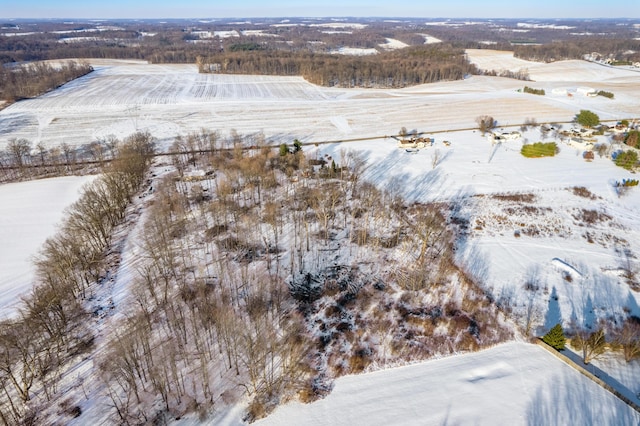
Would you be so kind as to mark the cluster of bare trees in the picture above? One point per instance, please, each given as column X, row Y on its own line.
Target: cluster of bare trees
column 34, row 79
column 625, row 339
column 411, row 66
column 51, row 327
column 258, row 273
column 211, row 317
column 256, row 279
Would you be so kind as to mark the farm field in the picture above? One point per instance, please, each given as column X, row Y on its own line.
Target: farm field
column 30, row 212
column 572, row 71
column 513, row 383
column 121, row 97
column 541, row 247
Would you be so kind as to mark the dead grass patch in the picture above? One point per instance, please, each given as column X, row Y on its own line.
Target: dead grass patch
column 517, row 198
column 581, row 191
column 591, row 217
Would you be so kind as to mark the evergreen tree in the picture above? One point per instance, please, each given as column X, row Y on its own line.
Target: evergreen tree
column 627, row 159
column 555, row 337
column 587, row 118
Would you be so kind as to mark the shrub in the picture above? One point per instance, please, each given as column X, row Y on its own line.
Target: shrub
column 627, row 182
column 591, row 216
column 540, row 149
column 555, row 338
column 581, row 191
column 517, row 197
column 602, row 149
column 633, row 139
column 533, row 91
column 627, row 160
column 628, row 338
column 256, row 410
column 605, row 94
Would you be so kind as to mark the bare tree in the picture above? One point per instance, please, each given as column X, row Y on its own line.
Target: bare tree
column 486, row 123
column 592, row 346
column 20, row 150
column 97, row 151
column 18, row 352
column 629, row 338
column 603, row 149
column 529, row 122
column 324, row 202
column 436, row 157
column 69, row 154
column 42, row 152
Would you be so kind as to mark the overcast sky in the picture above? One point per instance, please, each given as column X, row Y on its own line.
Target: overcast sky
column 323, row 8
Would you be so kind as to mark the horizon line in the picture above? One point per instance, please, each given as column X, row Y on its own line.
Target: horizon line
column 319, row 17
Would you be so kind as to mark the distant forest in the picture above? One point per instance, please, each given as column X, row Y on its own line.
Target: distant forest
column 399, row 68
column 299, row 47
column 624, row 50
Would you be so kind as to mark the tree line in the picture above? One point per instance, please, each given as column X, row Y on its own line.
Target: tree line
column 31, row 80
column 22, row 160
column 410, row 66
column 626, row 49
column 50, row 330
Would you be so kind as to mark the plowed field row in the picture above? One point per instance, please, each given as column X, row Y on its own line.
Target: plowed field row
column 166, row 100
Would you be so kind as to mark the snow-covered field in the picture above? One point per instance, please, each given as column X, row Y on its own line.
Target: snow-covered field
column 393, row 44
column 122, row 97
column 430, row 39
column 511, row 384
column 561, row 71
column 355, row 51
column 30, row 212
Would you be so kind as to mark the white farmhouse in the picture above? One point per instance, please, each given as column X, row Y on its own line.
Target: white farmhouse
column 494, row 137
column 587, row 91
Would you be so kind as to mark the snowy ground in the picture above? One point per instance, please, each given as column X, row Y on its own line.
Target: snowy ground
column 393, row 44
column 519, row 383
column 121, row 97
column 511, row 384
column 561, row 71
column 30, row 212
column 430, row 39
